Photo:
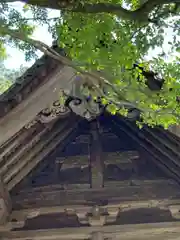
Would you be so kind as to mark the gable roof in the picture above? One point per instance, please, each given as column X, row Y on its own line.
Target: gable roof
column 25, row 141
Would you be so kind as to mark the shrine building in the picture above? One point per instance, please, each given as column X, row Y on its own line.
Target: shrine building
column 65, row 178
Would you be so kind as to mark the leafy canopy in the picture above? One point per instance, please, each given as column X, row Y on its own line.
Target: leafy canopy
column 109, row 36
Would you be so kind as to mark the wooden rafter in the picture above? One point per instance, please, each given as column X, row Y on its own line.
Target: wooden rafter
column 38, row 152
column 17, row 141
column 152, row 147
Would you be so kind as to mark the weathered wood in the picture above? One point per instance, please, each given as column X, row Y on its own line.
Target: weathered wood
column 163, row 147
column 44, row 151
column 5, row 203
column 97, row 236
column 156, row 157
column 43, row 97
column 95, row 157
column 166, row 230
column 55, row 187
column 92, row 215
column 165, row 141
column 17, row 140
column 86, row 215
column 73, row 161
column 122, row 159
column 23, row 150
column 172, row 163
column 84, row 138
column 114, row 184
column 17, row 162
column 151, row 191
column 169, row 136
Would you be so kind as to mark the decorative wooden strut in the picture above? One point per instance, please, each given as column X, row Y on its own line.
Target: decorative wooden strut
column 49, row 114
column 95, row 157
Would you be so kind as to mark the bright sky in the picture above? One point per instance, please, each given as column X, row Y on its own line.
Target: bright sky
column 41, row 33
column 16, row 58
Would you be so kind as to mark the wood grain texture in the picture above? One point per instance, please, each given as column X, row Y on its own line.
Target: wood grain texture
column 43, row 97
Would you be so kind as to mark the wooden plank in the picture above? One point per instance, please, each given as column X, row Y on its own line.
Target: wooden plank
column 19, row 161
column 95, row 157
column 143, row 231
column 65, row 186
column 44, row 96
column 159, row 151
column 17, row 141
column 12, row 161
column 122, row 159
column 156, row 157
column 163, row 138
column 120, row 194
column 164, row 147
column 45, row 150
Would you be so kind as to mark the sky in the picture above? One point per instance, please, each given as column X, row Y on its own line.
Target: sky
column 16, row 58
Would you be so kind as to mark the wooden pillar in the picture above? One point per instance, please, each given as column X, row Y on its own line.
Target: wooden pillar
column 95, row 157
column 5, row 203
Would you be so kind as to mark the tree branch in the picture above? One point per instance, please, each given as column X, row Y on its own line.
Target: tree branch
column 5, row 31
column 139, row 15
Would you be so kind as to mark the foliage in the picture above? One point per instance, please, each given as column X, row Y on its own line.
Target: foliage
column 111, row 41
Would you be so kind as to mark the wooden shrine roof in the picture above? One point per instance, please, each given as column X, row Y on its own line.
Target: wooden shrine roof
column 27, row 146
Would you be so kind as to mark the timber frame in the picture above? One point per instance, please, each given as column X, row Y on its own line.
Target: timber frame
column 62, row 177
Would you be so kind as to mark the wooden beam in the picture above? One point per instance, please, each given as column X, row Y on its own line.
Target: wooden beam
column 17, row 140
column 165, row 140
column 27, row 152
column 169, row 135
column 43, row 152
column 144, row 146
column 121, row 159
column 28, row 213
column 40, row 197
column 165, row 230
column 43, row 97
column 5, row 203
column 172, row 162
column 167, row 148
column 92, row 215
column 95, row 157
column 7, row 169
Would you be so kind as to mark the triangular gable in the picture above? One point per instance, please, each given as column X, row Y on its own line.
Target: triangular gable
column 71, row 166
column 156, row 144
column 38, row 89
